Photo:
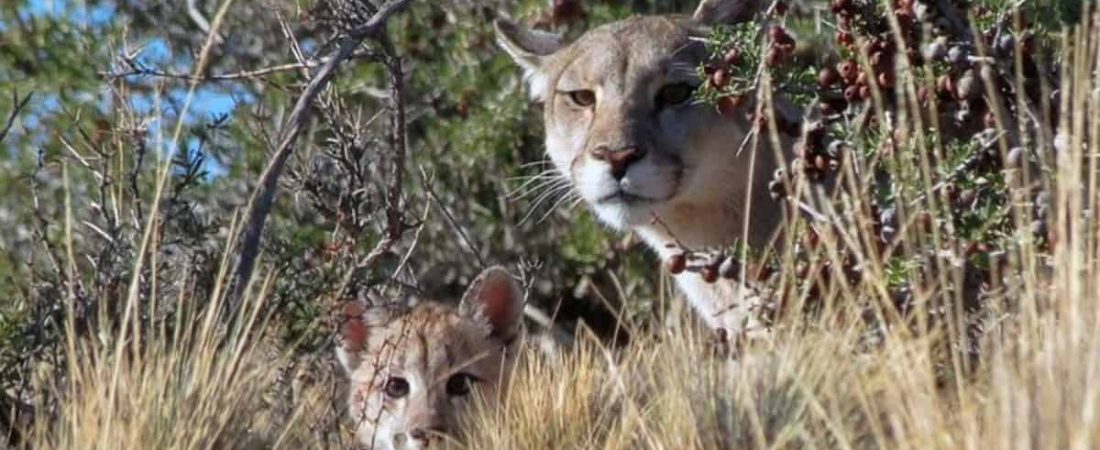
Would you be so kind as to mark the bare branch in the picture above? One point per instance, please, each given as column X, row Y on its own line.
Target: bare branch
column 451, row 220
column 259, row 206
column 19, row 105
column 139, row 69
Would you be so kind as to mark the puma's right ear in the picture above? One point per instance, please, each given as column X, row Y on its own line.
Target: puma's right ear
column 530, row 49
column 716, row 12
column 353, row 335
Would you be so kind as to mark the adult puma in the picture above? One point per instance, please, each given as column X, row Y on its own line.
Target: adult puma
column 623, row 126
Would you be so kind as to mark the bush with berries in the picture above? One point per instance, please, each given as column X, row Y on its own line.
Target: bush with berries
column 927, row 130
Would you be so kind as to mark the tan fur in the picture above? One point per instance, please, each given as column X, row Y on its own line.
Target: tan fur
column 696, row 175
column 429, row 348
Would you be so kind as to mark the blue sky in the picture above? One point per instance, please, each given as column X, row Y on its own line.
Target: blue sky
column 209, row 101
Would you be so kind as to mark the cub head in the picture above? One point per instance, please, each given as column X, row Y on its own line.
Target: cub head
column 622, row 123
column 414, row 372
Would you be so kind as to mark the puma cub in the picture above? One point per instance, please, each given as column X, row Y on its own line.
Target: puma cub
column 414, row 372
column 623, row 126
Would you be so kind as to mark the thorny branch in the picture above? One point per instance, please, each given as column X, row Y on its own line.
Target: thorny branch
column 19, row 105
column 137, row 68
column 259, row 206
column 395, row 227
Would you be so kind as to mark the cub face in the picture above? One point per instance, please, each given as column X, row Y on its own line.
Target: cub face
column 622, row 122
column 414, row 373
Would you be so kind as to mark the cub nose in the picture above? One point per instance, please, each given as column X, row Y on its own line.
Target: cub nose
column 619, row 159
column 426, row 435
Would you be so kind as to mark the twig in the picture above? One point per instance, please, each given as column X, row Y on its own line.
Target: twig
column 19, row 105
column 200, row 20
column 137, row 68
column 451, row 220
column 259, row 206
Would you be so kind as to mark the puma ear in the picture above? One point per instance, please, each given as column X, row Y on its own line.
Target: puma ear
column 495, row 298
column 530, row 49
column 358, row 320
column 352, row 338
column 716, row 12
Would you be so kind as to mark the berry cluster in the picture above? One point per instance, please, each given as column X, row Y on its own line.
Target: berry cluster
column 714, row 265
column 896, row 61
column 732, row 73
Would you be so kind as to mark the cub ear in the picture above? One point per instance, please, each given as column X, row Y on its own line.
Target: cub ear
column 495, row 298
column 353, row 334
column 358, row 321
column 530, row 49
column 715, row 12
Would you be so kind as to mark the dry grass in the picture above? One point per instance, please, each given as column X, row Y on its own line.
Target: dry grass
column 817, row 384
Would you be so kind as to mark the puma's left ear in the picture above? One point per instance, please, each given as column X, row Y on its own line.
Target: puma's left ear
column 715, row 12
column 495, row 298
column 530, row 49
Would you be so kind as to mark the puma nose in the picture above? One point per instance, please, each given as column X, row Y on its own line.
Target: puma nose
column 619, row 159
column 426, row 435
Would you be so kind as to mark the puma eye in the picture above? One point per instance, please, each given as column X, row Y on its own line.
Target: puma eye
column 459, row 384
column 396, row 387
column 674, row 94
column 583, row 98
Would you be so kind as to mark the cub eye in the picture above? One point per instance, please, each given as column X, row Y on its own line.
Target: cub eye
column 459, row 384
column 583, row 98
column 674, row 94
column 396, row 387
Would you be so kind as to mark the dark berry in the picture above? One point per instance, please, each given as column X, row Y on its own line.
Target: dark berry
column 732, row 56
column 827, row 77
column 677, row 263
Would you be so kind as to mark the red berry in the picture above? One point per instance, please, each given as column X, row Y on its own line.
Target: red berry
column 882, row 60
column 729, row 104
column 732, row 56
column 780, row 9
column 719, row 78
column 851, row 94
column 677, row 263
column 777, row 33
column 709, row 273
column 886, row 79
column 849, row 70
column 844, row 39
column 827, row 77
column 775, row 57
